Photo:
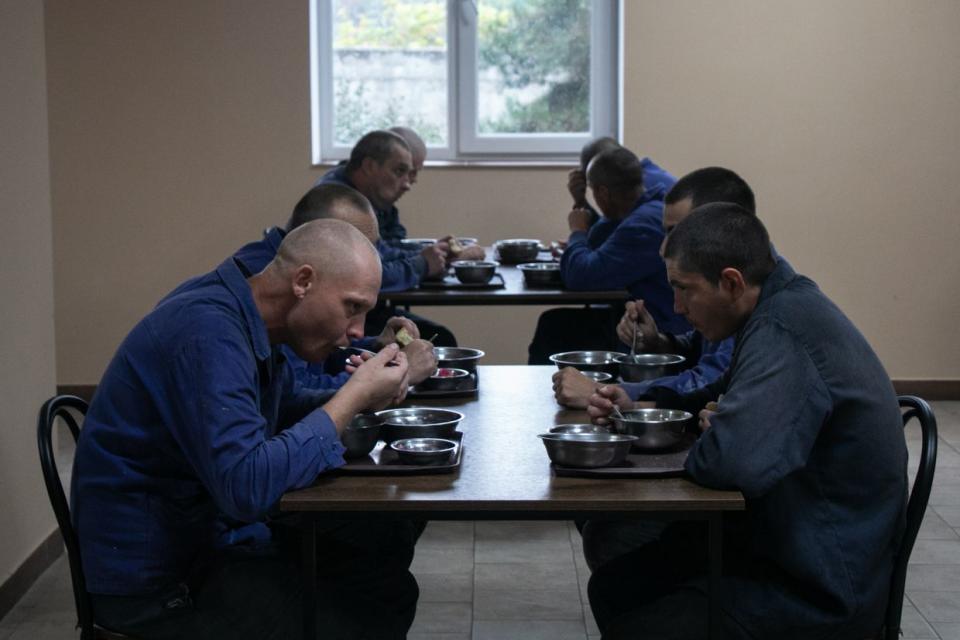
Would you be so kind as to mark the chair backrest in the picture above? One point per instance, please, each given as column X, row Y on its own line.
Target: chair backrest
column 60, row 407
column 916, row 505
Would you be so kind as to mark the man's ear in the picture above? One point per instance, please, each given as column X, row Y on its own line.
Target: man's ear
column 732, row 283
column 303, row 277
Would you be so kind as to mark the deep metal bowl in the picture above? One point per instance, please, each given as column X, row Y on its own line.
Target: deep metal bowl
column 444, row 379
column 361, row 435
column 587, row 449
column 424, row 450
column 399, row 424
column 598, row 376
column 579, row 428
column 458, row 357
column 466, row 242
column 474, row 271
column 517, row 250
column 653, row 428
column 541, row 273
column 588, row 360
column 648, row 366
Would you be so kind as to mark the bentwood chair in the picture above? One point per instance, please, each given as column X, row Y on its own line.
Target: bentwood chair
column 66, row 408
column 917, row 504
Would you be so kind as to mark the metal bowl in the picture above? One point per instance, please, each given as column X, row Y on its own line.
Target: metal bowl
column 653, row 428
column 597, row 376
column 424, row 450
column 444, row 379
column 458, row 357
column 399, row 424
column 466, row 242
column 517, row 250
column 361, row 435
column 474, row 271
column 588, row 360
column 579, row 428
column 648, row 366
column 587, row 449
column 541, row 273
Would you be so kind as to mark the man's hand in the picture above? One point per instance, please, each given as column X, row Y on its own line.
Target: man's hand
column 392, row 328
column 422, row 360
column 436, row 258
column 376, row 383
column 573, row 389
column 705, row 414
column 577, row 186
column 602, row 401
column 470, row 252
column 579, row 220
column 636, row 317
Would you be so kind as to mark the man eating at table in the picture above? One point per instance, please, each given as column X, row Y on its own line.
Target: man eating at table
column 806, row 425
column 196, row 417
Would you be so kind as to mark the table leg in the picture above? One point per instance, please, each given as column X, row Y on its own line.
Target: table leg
column 308, row 575
column 715, row 553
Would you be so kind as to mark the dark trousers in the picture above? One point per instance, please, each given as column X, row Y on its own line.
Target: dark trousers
column 364, row 590
column 588, row 328
column 378, row 316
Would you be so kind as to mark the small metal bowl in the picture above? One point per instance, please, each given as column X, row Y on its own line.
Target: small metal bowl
column 517, row 250
column 467, row 242
column 541, row 274
column 580, row 428
column 587, row 450
column 648, row 366
column 588, row 360
column 474, row 271
column 400, row 424
column 361, row 435
column 425, row 451
column 458, row 357
column 597, row 376
column 653, row 428
column 444, row 379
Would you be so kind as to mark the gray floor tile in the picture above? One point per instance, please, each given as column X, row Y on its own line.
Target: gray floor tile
column 5, row 632
column 913, row 625
column 951, row 515
column 438, row 636
column 947, row 630
column 442, row 617
column 529, row 604
column 935, row 552
column 945, row 494
column 528, row 630
column 446, row 587
column 937, row 606
column 44, row 631
column 525, row 551
column 515, row 575
column 933, row 578
column 457, row 560
column 542, row 532
column 447, row 534
column 935, row 527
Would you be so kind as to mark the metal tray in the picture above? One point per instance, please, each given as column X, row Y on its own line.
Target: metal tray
column 661, row 464
column 451, row 283
column 467, row 387
column 383, row 461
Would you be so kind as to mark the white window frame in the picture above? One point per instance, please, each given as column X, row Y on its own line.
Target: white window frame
column 464, row 144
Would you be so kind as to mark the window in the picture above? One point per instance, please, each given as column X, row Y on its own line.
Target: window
column 478, row 79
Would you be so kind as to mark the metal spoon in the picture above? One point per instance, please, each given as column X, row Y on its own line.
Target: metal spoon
column 633, row 346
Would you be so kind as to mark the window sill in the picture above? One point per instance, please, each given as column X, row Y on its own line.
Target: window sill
column 482, row 164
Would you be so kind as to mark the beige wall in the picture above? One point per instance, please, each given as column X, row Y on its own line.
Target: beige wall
column 27, row 374
column 180, row 129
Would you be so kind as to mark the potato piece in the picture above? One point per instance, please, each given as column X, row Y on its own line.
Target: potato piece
column 455, row 246
column 403, row 337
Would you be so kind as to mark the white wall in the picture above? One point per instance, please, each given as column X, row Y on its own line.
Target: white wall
column 27, row 373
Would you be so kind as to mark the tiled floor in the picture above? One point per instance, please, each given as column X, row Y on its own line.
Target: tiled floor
column 527, row 580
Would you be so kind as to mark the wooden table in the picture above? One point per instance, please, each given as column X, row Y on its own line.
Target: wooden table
column 515, row 291
column 505, row 475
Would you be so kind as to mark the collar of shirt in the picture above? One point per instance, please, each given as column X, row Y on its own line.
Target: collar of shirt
column 273, row 237
column 235, row 282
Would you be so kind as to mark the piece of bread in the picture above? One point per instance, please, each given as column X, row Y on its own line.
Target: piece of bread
column 455, row 246
column 403, row 337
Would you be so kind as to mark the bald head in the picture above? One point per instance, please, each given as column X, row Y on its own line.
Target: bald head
column 336, row 202
column 334, row 248
column 417, row 147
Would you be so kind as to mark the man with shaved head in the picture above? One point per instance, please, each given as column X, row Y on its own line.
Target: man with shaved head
column 196, row 417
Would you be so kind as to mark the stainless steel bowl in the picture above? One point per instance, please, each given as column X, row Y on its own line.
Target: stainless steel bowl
column 474, row 271
column 399, row 424
column 361, row 435
column 579, row 428
column 653, row 428
column 598, row 376
column 444, row 379
column 541, row 273
column 588, row 360
column 587, row 449
column 466, row 242
column 648, row 366
column 458, row 357
column 517, row 250
column 424, row 451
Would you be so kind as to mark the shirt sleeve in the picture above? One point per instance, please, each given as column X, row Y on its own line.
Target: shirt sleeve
column 711, row 365
column 768, row 418
column 218, row 426
column 401, row 270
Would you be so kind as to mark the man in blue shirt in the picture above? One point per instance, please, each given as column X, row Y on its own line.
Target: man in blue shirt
column 196, row 417
column 806, row 425
column 620, row 251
